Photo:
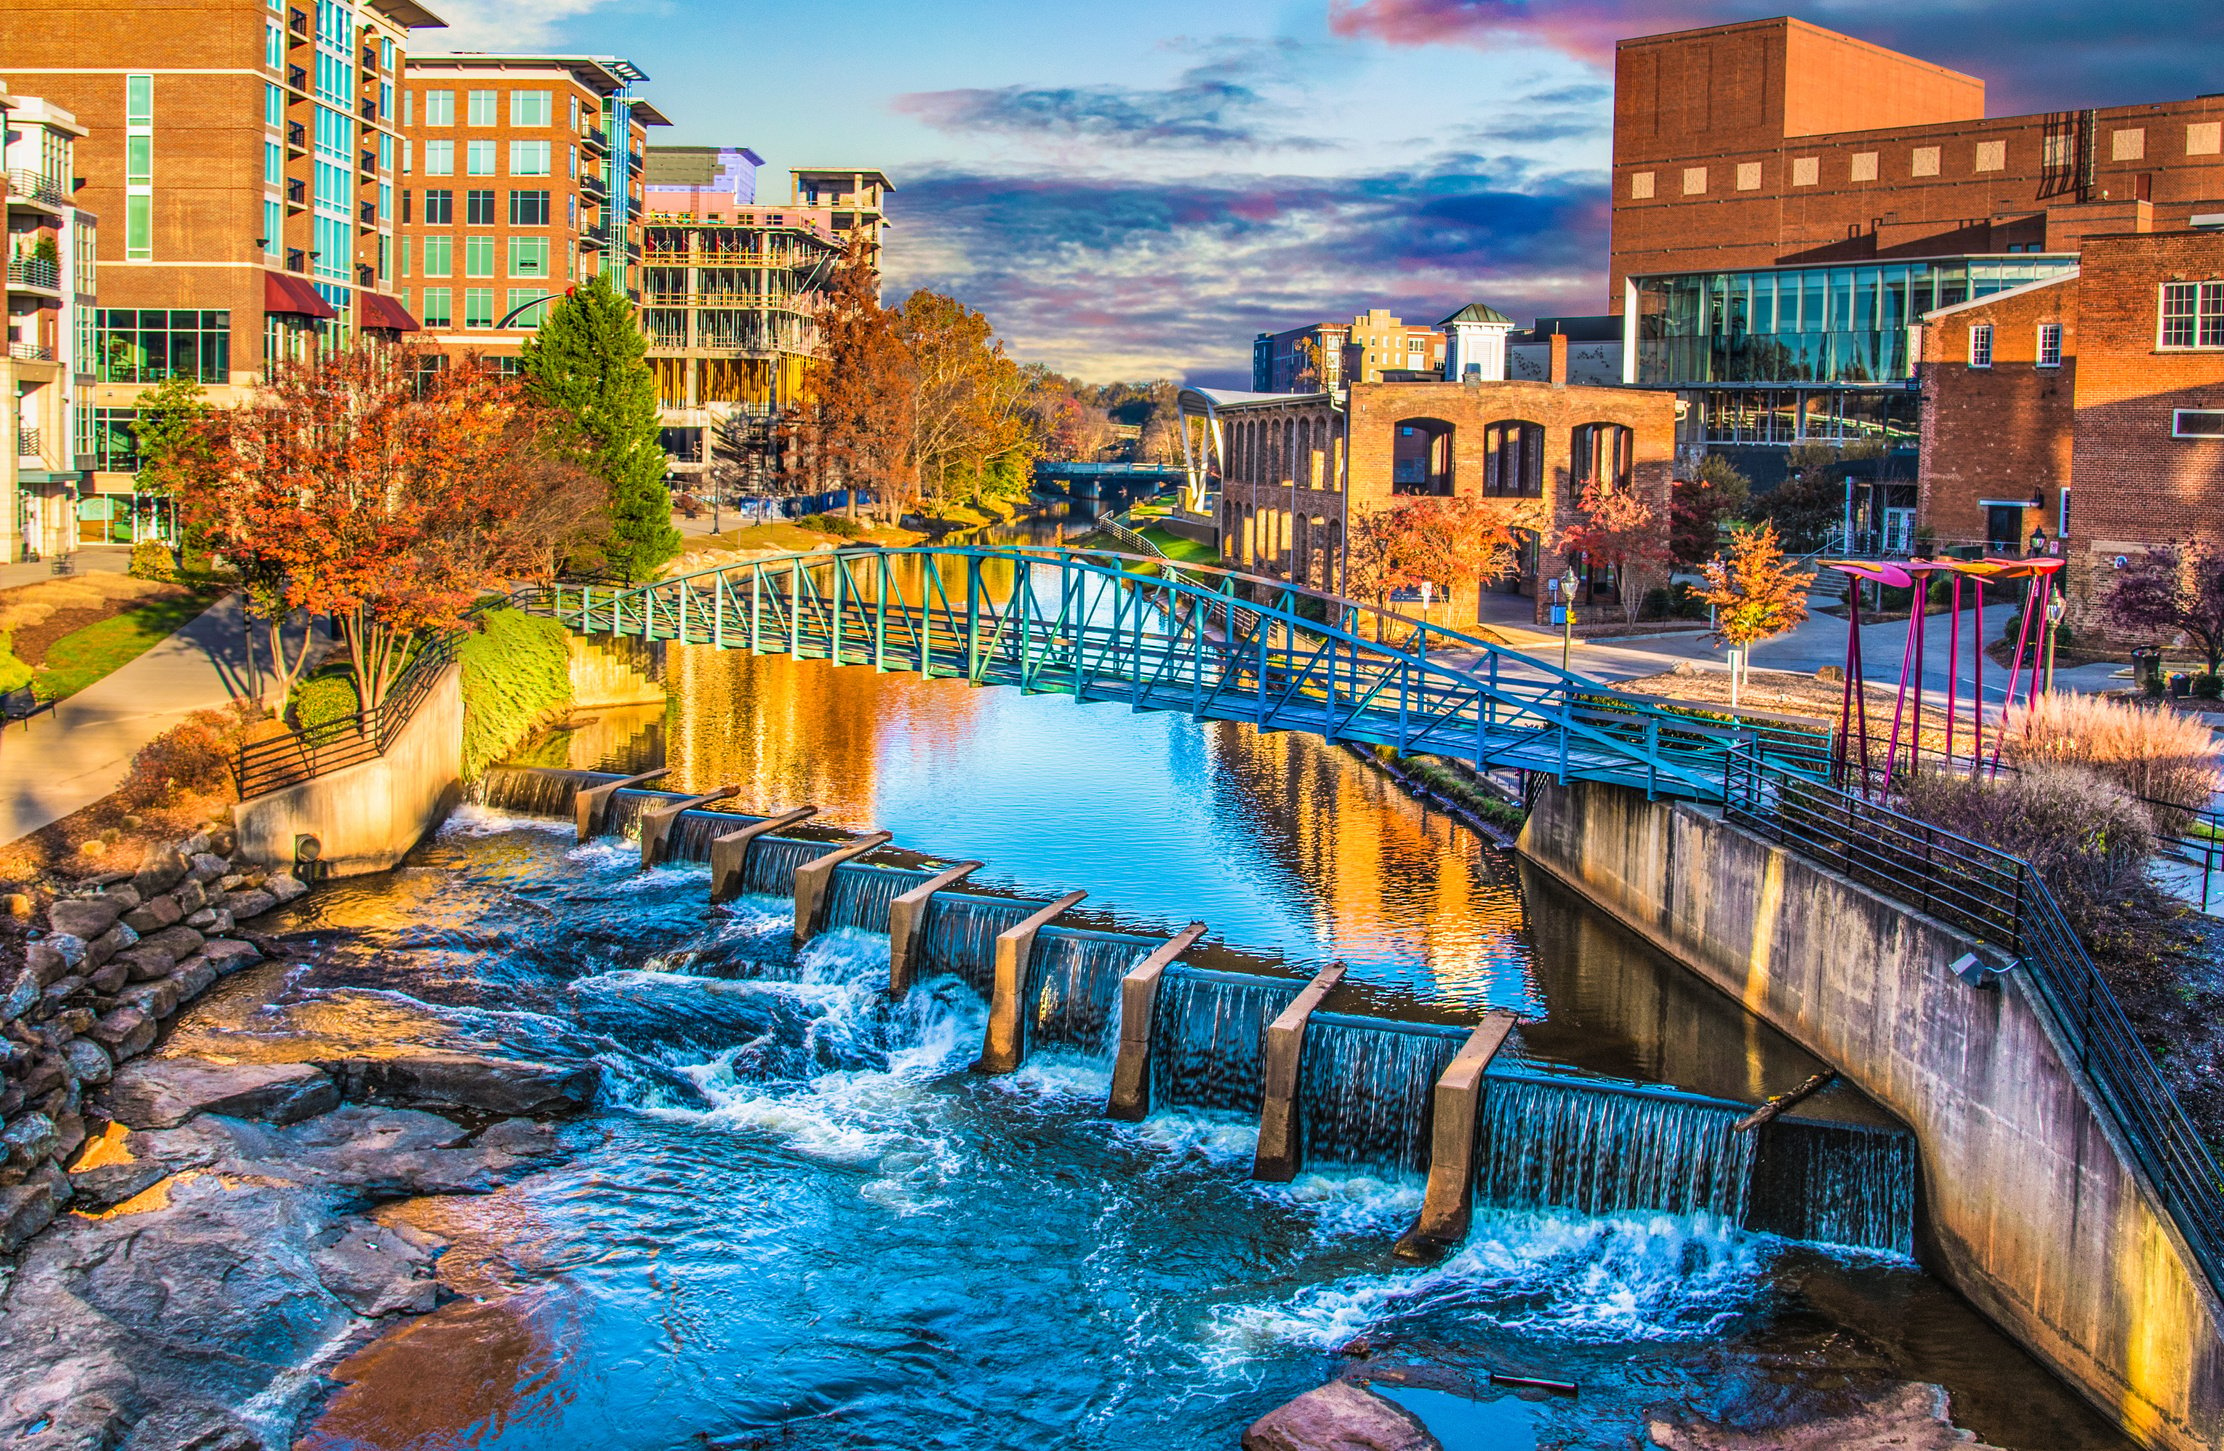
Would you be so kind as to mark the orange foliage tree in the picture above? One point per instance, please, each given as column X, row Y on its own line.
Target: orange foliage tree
column 1428, row 540
column 373, row 486
column 853, row 429
column 1617, row 528
column 1756, row 595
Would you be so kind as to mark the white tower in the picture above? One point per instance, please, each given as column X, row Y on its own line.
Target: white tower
column 1477, row 350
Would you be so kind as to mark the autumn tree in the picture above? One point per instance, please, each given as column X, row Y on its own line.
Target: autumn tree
column 1619, row 529
column 166, row 434
column 2178, row 588
column 1445, row 542
column 854, row 428
column 1756, row 596
column 388, row 496
column 974, row 433
column 1699, row 506
column 588, row 363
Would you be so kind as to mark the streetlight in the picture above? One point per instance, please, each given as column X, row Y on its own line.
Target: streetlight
column 1568, row 582
column 2057, row 608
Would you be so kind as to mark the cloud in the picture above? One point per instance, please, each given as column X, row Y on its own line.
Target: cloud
column 2036, row 54
column 501, row 25
column 1121, row 277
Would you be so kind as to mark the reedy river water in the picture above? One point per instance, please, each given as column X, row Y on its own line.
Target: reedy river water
column 795, row 1220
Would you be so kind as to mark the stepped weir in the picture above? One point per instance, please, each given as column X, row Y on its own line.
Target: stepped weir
column 1459, row 1105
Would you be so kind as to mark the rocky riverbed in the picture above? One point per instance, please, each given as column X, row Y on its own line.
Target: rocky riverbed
column 187, row 1203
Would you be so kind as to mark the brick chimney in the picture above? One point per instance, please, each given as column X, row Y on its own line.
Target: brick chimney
column 1558, row 373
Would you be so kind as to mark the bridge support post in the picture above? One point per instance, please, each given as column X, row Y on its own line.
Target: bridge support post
column 1131, row 1070
column 906, row 915
column 1276, row 1159
column 1005, row 1046
column 588, row 806
column 1456, row 1110
column 814, row 877
column 656, row 826
column 729, row 854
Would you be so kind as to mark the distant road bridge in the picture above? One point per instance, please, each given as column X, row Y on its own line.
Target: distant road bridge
column 1206, row 642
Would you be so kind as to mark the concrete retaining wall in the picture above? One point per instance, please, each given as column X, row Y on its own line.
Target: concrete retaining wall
column 368, row 817
column 2031, row 1205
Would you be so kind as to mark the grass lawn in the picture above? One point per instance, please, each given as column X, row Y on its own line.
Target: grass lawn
column 1183, row 551
column 83, row 656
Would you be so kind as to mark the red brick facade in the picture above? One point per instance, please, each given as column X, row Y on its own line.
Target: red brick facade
column 1997, row 435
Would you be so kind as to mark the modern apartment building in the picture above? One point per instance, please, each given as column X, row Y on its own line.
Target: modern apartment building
column 522, row 176
column 243, row 155
column 1789, row 202
column 50, row 281
column 701, row 181
column 1365, row 350
column 856, row 200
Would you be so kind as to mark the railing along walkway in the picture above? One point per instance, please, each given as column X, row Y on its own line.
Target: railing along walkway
column 298, row 756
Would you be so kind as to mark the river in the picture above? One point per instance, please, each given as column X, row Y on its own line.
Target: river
column 794, row 1220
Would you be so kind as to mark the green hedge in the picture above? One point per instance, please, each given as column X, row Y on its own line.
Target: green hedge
column 515, row 671
column 323, row 698
column 14, row 674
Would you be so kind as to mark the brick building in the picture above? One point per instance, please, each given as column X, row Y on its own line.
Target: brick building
column 1296, row 469
column 2088, row 409
column 1789, row 202
column 1363, row 350
column 242, row 156
column 523, row 176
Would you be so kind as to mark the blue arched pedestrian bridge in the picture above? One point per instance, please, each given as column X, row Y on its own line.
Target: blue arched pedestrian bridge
column 1207, row 642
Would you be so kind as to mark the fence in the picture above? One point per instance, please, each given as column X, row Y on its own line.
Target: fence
column 298, row 756
column 1999, row 899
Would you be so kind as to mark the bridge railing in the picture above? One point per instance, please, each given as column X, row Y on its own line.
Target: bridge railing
column 298, row 756
column 2001, row 899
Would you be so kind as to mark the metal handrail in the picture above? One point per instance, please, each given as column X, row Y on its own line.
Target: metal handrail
column 2000, row 898
column 36, row 185
column 298, row 756
column 39, row 272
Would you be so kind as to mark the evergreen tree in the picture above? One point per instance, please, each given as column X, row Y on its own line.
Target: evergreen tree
column 589, row 363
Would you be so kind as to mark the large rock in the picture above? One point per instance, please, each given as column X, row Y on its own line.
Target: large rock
column 85, row 917
column 1906, row 1417
column 46, row 962
column 207, row 867
column 156, row 999
column 228, row 956
column 284, row 886
column 89, row 1063
column 109, row 943
column 164, row 1092
column 146, row 963
column 164, row 868
column 1339, row 1416
column 442, row 1078
column 20, row 994
column 249, row 904
column 180, row 942
column 153, row 916
column 24, row 1211
column 29, row 1140
column 125, row 1033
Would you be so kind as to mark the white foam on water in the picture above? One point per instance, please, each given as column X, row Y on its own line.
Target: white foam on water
column 1221, row 1139
column 1350, row 1204
column 1062, row 1076
column 472, row 820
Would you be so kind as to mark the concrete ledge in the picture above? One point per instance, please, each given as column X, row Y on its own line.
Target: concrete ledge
column 1455, row 1114
column 1131, row 1070
column 729, row 854
column 1005, row 1045
column 588, row 806
column 906, row 914
column 656, row 826
column 813, row 878
column 1276, row 1159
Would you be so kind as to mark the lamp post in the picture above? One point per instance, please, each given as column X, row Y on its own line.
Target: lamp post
column 1568, row 582
column 2056, row 609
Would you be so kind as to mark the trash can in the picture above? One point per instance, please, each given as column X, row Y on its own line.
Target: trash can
column 2146, row 669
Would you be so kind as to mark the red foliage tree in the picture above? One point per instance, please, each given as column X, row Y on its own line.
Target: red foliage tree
column 1618, row 528
column 2178, row 588
column 1446, row 542
column 854, row 427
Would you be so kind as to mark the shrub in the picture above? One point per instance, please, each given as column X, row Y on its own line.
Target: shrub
column 322, row 698
column 2155, row 755
column 152, row 559
column 2207, row 687
column 193, row 757
column 14, row 674
column 515, row 671
column 841, row 526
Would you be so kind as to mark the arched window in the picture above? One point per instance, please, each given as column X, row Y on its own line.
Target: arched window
column 1513, row 460
column 1421, row 456
column 1604, row 452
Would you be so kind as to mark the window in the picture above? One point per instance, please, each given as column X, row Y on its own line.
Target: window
column 274, row 106
column 440, row 255
column 1605, row 453
column 2197, row 423
column 107, row 439
column 478, row 207
column 1806, row 170
column 1513, row 460
column 2050, row 345
column 139, row 100
column 147, row 345
column 1694, row 180
column 478, row 307
column 2193, row 315
column 528, row 208
column 138, row 227
column 531, row 108
column 1749, row 176
column 409, row 108
column 440, row 158
column 1925, row 161
column 405, row 250
column 519, row 297
column 2204, row 138
column 438, row 308
column 1980, row 345
column 274, row 226
column 2128, row 145
column 1641, row 185
column 478, row 256
column 1421, row 457
column 1992, row 156
column 138, row 160
column 1864, row 166
column 440, row 208
column 440, row 108
column 478, row 158
column 274, row 163
column 385, row 201
column 529, row 158
column 483, row 108
column 528, row 256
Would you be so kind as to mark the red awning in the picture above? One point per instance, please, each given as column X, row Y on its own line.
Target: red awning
column 377, row 310
column 282, row 293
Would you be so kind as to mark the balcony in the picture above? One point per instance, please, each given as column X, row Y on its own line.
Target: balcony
column 27, row 441
column 297, row 193
column 31, row 352
column 297, row 26
column 297, row 136
column 596, row 141
column 296, row 260
column 595, row 239
column 365, row 275
column 40, row 274
column 370, row 57
column 297, row 79
column 370, row 163
column 368, row 211
column 369, row 109
column 32, row 186
column 594, row 188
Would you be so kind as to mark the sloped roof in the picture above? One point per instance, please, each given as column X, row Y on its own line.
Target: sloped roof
column 1479, row 312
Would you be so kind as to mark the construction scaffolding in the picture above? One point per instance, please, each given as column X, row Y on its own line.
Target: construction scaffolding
column 730, row 305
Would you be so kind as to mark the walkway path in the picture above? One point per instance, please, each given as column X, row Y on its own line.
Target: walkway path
column 64, row 760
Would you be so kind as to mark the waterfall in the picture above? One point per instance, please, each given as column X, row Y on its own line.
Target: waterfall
column 960, row 936
column 770, row 871
column 1073, row 988
column 1208, row 1035
column 533, row 790
column 859, row 895
column 690, row 837
column 1364, row 1091
column 622, row 817
column 1835, row 1183
column 1601, row 1148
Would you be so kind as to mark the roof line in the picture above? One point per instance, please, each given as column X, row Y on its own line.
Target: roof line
column 1992, row 297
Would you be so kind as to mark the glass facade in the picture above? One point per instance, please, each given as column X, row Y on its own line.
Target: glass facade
column 1844, row 326
column 149, row 344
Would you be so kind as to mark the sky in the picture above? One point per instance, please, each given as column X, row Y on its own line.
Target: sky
column 1134, row 190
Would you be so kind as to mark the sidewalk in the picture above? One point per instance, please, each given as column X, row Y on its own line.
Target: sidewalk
column 65, row 759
